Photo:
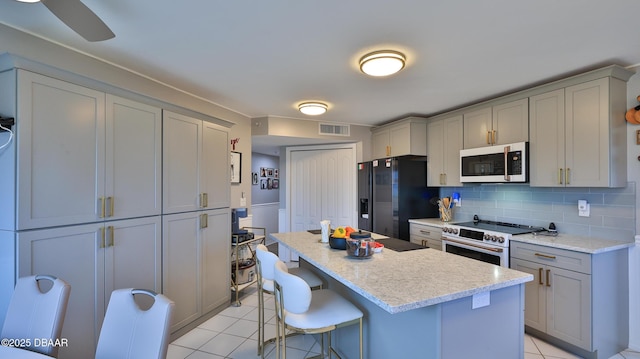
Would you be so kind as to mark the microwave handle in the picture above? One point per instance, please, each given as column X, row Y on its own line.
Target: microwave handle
column 507, row 149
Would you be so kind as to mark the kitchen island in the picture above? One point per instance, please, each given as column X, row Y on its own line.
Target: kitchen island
column 421, row 303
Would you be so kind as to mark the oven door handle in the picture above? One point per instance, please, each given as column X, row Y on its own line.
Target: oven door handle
column 497, row 250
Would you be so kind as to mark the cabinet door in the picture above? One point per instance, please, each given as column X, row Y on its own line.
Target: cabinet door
column 400, row 140
column 587, row 134
column 182, row 154
column 133, row 158
column 215, row 244
column 535, row 294
column 452, row 134
column 181, row 266
column 380, row 144
column 477, row 128
column 435, row 153
column 546, row 146
column 215, row 166
column 511, row 122
column 71, row 254
column 60, row 152
column 132, row 255
column 569, row 306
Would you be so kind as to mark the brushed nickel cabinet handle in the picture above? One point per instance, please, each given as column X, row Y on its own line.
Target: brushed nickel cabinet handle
column 102, row 207
column 540, row 276
column 204, row 221
column 548, row 277
column 444, row 176
column 544, row 256
column 428, row 233
column 567, row 175
column 493, row 137
column 111, row 205
column 488, row 141
column 206, row 199
column 559, row 175
column 101, row 237
column 111, row 235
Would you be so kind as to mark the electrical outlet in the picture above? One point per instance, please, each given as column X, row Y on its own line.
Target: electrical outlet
column 584, row 209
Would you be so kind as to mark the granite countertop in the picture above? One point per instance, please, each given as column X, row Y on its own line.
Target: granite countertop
column 570, row 242
column 402, row 281
column 434, row 222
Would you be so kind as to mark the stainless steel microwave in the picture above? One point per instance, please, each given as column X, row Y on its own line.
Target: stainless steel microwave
column 495, row 164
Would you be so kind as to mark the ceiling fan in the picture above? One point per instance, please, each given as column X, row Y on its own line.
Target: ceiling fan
column 79, row 18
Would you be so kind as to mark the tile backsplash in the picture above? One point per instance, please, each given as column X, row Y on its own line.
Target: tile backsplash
column 613, row 211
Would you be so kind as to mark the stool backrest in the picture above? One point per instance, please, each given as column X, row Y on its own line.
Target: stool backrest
column 296, row 294
column 129, row 332
column 34, row 314
column 267, row 261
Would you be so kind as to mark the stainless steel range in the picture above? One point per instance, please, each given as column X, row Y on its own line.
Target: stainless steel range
column 483, row 240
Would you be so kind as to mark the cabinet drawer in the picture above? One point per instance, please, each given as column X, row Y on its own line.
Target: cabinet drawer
column 425, row 231
column 435, row 244
column 561, row 258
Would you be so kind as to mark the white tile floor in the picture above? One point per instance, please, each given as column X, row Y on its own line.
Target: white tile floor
column 233, row 334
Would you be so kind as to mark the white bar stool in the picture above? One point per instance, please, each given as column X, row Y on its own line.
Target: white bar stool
column 300, row 310
column 265, row 264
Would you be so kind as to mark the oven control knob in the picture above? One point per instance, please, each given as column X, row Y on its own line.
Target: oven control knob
column 501, row 239
column 455, row 231
column 494, row 238
column 445, row 229
column 486, row 237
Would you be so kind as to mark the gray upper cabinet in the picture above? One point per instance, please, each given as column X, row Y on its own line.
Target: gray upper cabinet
column 196, row 164
column 404, row 137
column 578, row 135
column 444, row 142
column 496, row 125
column 83, row 155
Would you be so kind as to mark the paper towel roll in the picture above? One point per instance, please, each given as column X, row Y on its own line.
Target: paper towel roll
column 325, row 226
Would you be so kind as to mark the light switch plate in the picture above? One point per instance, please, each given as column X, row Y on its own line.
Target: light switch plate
column 584, row 208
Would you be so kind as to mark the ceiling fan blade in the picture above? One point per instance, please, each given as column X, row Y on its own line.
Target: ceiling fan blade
column 80, row 19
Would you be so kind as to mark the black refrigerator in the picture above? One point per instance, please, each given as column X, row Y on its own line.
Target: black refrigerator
column 396, row 192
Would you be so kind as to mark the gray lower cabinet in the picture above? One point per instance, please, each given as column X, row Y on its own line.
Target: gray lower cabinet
column 195, row 259
column 94, row 259
column 425, row 235
column 575, row 298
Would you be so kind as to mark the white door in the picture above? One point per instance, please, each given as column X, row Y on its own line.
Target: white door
column 322, row 185
column 306, row 199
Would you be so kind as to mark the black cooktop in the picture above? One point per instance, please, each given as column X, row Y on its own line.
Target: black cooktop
column 510, row 228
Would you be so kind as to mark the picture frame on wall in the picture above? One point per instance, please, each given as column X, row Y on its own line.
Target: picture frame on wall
column 263, row 184
column 236, row 167
column 254, row 178
column 275, row 173
column 263, row 172
column 269, row 172
column 276, row 183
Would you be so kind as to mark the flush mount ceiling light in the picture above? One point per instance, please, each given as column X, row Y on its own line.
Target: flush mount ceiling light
column 382, row 63
column 312, row 108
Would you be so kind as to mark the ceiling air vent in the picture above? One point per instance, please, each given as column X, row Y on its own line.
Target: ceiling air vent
column 334, row 130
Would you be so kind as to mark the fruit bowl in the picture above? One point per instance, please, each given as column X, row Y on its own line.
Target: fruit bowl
column 337, row 243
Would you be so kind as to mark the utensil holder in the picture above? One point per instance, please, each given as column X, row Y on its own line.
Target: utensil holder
column 446, row 214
